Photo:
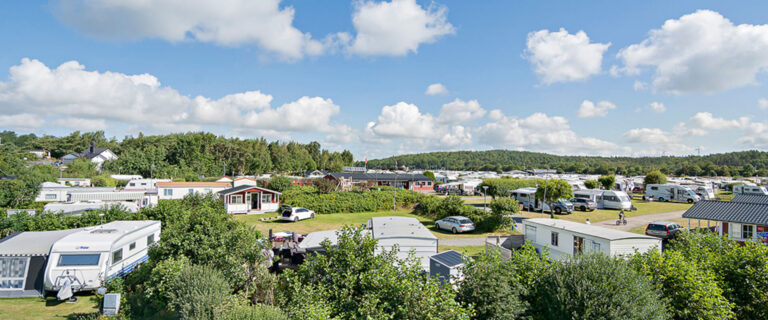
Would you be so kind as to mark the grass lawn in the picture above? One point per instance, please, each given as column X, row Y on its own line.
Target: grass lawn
column 338, row 220
column 472, row 251
column 46, row 308
column 643, row 208
column 724, row 195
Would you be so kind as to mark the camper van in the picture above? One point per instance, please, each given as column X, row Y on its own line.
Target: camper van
column 84, row 260
column 744, row 189
column 670, row 192
column 527, row 197
column 606, row 199
column 705, row 192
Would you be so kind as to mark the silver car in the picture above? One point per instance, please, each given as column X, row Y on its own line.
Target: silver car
column 455, row 224
column 663, row 229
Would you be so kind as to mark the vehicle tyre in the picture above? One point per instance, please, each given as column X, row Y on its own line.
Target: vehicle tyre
column 690, row 200
column 584, row 208
column 312, row 216
column 661, row 199
column 558, row 210
column 295, row 219
column 454, row 231
column 437, row 226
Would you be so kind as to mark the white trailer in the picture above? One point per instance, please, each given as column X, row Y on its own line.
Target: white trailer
column 567, row 238
column 85, row 260
column 671, row 192
column 606, row 199
column 745, row 189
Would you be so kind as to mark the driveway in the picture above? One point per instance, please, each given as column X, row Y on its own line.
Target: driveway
column 637, row 221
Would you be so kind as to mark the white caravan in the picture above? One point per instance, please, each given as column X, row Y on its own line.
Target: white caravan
column 671, row 192
column 705, row 192
column 527, row 197
column 85, row 260
column 744, row 189
column 606, row 199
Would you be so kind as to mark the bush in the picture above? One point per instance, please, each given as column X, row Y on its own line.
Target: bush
column 280, row 183
column 608, row 182
column 243, row 311
column 655, row 177
column 592, row 184
column 325, row 185
column 492, row 286
column 197, row 291
column 349, row 201
column 596, row 287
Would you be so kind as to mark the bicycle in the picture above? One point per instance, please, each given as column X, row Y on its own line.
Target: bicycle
column 621, row 221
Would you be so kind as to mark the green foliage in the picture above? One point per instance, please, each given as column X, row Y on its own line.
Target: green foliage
column 555, row 189
column 196, row 292
column 592, row 184
column 350, row 281
column 607, row 182
column 325, row 185
column 430, row 175
column 505, row 206
column 103, row 180
column 596, row 287
column 500, row 187
column 349, row 201
column 252, row 312
column 280, row 183
column 655, row 177
column 493, row 287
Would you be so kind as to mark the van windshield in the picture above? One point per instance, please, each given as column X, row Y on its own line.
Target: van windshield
column 78, row 260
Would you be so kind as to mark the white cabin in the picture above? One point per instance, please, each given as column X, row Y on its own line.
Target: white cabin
column 566, row 238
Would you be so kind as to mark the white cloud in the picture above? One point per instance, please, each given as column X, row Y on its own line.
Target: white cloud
column 640, row 85
column 458, row 135
column 649, row 135
column 753, row 134
column 21, row 122
column 702, row 52
column 762, row 103
column 588, row 109
column 495, row 115
column 403, row 120
column 436, row 89
column 460, row 111
column 658, row 107
column 540, row 132
column 563, row 57
column 396, row 27
column 223, row 22
column 90, row 100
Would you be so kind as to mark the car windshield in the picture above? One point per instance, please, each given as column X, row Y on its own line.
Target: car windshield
column 463, row 221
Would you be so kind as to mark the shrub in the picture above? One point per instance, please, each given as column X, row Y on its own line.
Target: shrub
column 197, row 291
column 655, row 177
column 325, row 185
column 241, row 311
column 592, row 184
column 608, row 182
column 492, row 286
column 280, row 183
column 349, row 201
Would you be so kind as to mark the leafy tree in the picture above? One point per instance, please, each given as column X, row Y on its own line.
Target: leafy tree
column 492, row 286
column 592, row 184
column 430, row 175
column 655, row 177
column 325, row 185
column 280, row 183
column 748, row 170
column 608, row 182
column 505, row 206
column 351, row 281
column 555, row 189
column 596, row 287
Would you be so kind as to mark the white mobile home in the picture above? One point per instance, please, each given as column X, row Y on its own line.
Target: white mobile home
column 671, row 192
column 177, row 190
column 745, row 189
column 606, row 199
column 78, row 208
column 566, row 238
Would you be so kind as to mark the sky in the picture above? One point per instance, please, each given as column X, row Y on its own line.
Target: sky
column 382, row 78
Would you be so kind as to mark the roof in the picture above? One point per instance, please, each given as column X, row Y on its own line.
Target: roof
column 243, row 188
column 193, row 184
column 524, row 190
column 750, row 198
column 79, row 207
column 587, row 229
column 313, row 239
column 449, row 258
column 32, row 243
column 52, row 185
column 72, row 179
column 729, row 211
column 90, row 155
column 100, row 238
column 379, row 176
column 399, row 227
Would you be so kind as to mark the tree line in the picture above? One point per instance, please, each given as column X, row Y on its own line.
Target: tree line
column 744, row 163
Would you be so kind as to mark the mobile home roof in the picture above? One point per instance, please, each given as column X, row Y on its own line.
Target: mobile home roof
column 586, row 229
column 398, row 227
column 100, row 238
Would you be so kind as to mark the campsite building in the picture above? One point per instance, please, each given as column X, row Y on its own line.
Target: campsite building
column 745, row 218
column 177, row 190
column 250, row 199
column 566, row 238
column 446, row 266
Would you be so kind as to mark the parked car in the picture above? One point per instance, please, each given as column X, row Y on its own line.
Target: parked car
column 563, row 206
column 584, row 204
column 455, row 224
column 295, row 214
column 663, row 229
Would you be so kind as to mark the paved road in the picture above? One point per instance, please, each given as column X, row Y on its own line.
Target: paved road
column 639, row 220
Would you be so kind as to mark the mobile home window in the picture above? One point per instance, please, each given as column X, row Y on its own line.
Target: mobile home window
column 555, row 239
column 66, row 260
column 50, row 196
column 13, row 271
column 654, row 188
column 117, row 255
column 168, row 192
column 747, row 231
column 150, row 239
column 595, row 246
column 132, row 246
column 191, row 191
column 266, row 198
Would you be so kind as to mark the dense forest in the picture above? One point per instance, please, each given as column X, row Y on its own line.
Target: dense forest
column 745, row 163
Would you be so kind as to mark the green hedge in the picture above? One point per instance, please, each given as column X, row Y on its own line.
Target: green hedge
column 498, row 187
column 349, row 201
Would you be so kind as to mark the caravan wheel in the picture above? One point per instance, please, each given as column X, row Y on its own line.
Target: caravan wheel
column 661, row 199
column 690, row 200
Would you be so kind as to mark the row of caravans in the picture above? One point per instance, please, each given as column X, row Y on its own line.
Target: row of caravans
column 605, row 199
column 68, row 261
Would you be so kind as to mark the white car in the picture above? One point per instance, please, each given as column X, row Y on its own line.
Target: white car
column 295, row 214
column 455, row 224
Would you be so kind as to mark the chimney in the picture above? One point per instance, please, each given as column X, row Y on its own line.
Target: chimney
column 92, row 146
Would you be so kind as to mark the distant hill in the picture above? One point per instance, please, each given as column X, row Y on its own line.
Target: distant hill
column 744, row 163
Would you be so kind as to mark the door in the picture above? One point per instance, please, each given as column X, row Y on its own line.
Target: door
column 578, row 245
column 255, row 201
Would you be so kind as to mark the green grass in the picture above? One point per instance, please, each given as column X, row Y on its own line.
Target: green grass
column 472, row 251
column 724, row 195
column 46, row 308
column 643, row 208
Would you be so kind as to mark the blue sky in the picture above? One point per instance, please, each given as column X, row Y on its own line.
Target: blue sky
column 602, row 77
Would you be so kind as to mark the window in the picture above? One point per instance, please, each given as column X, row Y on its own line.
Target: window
column 236, row 199
column 266, row 198
column 150, row 239
column 143, row 183
column 131, row 184
column 66, row 260
column 654, row 188
column 132, row 246
column 530, row 233
column 595, row 246
column 747, row 231
column 191, row 191
column 168, row 192
column 50, row 196
column 555, row 239
column 117, row 255
column 13, row 271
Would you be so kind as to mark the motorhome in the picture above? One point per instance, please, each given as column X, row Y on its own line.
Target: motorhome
column 85, row 260
column 670, row 192
column 606, row 199
column 527, row 197
column 745, row 189
column 705, row 192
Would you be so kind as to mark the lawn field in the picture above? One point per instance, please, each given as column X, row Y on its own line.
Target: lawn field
column 472, row 251
column 45, row 308
column 643, row 208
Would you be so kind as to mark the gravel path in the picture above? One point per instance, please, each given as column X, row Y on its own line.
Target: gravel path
column 637, row 221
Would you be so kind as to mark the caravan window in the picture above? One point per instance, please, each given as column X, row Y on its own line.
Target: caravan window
column 167, row 192
column 132, row 246
column 117, row 255
column 13, row 271
column 150, row 239
column 50, row 196
column 654, row 188
column 555, row 239
column 66, row 260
